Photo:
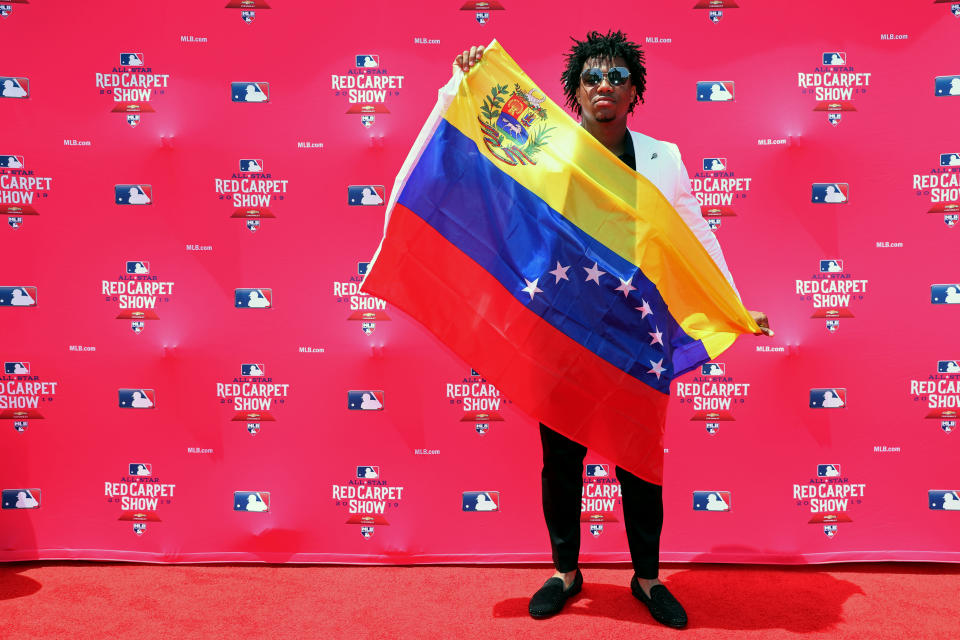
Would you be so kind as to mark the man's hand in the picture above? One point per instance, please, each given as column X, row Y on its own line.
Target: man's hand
column 761, row 319
column 467, row 59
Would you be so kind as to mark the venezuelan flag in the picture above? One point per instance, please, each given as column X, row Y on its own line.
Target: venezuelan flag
column 552, row 268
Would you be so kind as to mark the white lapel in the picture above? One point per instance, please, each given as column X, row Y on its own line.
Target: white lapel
column 651, row 160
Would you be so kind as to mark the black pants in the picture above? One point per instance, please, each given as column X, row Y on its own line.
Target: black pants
column 562, row 485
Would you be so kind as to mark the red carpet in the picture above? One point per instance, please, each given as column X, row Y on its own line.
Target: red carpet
column 92, row 600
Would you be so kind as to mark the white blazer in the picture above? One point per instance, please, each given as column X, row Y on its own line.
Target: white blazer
column 660, row 163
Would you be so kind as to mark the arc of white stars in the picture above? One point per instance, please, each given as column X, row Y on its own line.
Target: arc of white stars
column 594, row 273
column 560, row 273
column 626, row 286
column 532, row 288
column 644, row 309
column 656, row 336
column 658, row 368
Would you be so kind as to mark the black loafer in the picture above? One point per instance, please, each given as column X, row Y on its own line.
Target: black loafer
column 550, row 598
column 662, row 605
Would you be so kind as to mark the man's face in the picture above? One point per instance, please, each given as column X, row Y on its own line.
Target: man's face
column 605, row 102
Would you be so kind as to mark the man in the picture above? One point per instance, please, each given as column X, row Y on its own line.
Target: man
column 834, row 195
column 137, row 197
column 604, row 79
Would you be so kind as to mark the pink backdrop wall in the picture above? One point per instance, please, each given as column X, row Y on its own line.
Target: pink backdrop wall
column 71, row 453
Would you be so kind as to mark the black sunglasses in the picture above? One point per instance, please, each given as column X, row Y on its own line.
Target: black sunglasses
column 616, row 75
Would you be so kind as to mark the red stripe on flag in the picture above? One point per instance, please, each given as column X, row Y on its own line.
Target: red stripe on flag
column 545, row 373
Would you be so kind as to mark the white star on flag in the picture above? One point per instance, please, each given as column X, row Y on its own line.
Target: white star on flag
column 560, row 273
column 658, row 368
column 657, row 337
column 532, row 288
column 626, row 286
column 645, row 309
column 594, row 273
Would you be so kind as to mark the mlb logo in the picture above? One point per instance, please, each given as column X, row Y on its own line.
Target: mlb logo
column 133, row 194
column 954, row 9
column 368, row 472
column 21, row 498
column 828, row 471
column 829, row 192
column 365, row 195
column 834, row 118
column 830, row 530
column 138, row 266
column 714, row 223
column 18, row 296
column 136, row 398
column 248, row 16
column 481, row 500
column 131, row 59
column 15, row 222
column 140, row 469
column 482, row 427
column 368, row 61
column 137, row 326
column 715, row 91
column 16, row 368
column 713, row 369
column 15, row 87
column 251, row 501
column 949, row 219
column 832, row 325
column 948, row 366
column 139, row 528
column 834, row 58
column 11, row 161
column 939, row 500
column 948, row 425
column 253, row 298
column 828, row 398
column 712, row 427
column 362, row 268
column 365, row 400
column 596, row 528
column 250, row 91
column 366, row 531
column 715, row 16
column 711, row 501
column 368, row 327
column 831, row 266
column 133, row 119
column 714, row 164
column 598, row 470
column 941, row 294
column 943, row 86
column 367, row 119
column 20, row 425
column 474, row 373
column 251, row 165
column 950, row 159
column 253, row 225
column 5, row 10
column 252, row 369
column 253, row 428
column 483, row 16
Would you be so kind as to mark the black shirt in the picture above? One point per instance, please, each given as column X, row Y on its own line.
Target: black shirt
column 628, row 157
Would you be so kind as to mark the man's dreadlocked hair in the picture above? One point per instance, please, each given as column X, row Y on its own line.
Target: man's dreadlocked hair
column 604, row 47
